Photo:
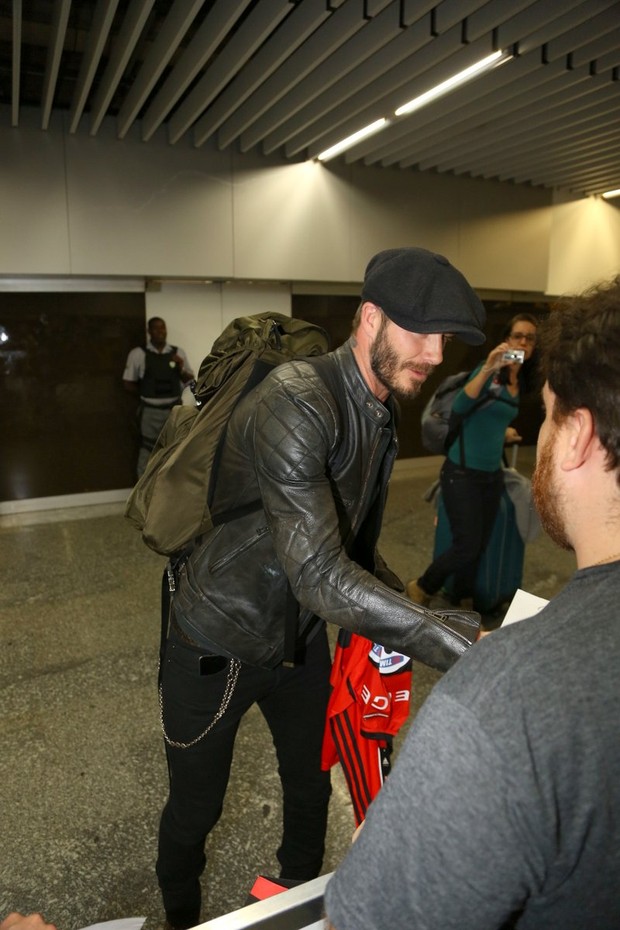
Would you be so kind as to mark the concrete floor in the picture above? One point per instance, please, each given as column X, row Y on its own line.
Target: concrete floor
column 82, row 766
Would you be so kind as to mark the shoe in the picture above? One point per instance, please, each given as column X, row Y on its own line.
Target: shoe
column 415, row 592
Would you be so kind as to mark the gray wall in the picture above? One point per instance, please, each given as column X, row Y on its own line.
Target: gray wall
column 75, row 205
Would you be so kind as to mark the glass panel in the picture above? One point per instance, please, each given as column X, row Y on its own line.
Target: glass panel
column 67, row 425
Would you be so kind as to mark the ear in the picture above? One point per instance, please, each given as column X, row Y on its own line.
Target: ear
column 580, row 440
column 371, row 319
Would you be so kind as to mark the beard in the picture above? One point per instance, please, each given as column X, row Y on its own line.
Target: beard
column 547, row 496
column 386, row 365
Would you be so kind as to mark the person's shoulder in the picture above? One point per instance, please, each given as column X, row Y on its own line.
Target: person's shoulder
column 298, row 376
column 296, row 385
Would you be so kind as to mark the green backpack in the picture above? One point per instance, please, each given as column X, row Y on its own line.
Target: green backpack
column 170, row 503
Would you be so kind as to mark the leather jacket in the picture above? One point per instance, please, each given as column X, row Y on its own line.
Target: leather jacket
column 320, row 466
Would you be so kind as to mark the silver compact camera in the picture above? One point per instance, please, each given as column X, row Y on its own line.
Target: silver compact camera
column 514, row 355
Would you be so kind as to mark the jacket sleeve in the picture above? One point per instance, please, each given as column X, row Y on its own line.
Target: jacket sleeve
column 295, row 435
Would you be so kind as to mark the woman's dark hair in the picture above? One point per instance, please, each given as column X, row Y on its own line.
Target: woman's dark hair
column 527, row 317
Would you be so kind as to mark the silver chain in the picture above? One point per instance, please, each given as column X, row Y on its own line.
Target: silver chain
column 234, row 667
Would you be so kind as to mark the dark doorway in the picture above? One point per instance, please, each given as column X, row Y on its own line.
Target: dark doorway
column 65, row 420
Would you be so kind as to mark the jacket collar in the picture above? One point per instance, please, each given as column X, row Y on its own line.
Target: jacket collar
column 359, row 390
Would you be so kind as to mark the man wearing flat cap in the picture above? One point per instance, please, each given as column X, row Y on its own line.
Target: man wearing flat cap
column 315, row 442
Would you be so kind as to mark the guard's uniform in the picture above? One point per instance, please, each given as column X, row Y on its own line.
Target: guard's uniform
column 161, row 386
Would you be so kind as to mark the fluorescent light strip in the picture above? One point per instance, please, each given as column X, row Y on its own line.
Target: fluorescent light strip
column 352, row 140
column 609, row 194
column 445, row 87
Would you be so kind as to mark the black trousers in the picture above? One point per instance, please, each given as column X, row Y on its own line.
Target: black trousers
column 293, row 702
column 471, row 498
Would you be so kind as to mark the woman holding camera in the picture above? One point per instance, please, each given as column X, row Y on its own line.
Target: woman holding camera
column 471, row 477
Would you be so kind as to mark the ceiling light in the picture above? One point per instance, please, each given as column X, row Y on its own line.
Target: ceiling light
column 352, row 140
column 446, row 86
column 485, row 64
column 609, row 194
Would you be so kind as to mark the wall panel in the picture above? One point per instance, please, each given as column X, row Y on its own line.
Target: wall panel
column 66, row 422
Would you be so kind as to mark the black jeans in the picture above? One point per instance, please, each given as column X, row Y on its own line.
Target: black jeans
column 471, row 498
column 293, row 702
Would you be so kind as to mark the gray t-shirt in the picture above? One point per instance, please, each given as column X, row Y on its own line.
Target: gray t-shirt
column 503, row 808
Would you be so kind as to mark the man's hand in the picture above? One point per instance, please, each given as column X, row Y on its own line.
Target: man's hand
column 15, row 921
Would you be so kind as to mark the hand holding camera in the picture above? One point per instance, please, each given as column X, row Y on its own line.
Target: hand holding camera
column 514, row 355
column 502, row 355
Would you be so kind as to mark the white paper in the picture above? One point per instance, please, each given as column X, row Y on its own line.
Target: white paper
column 122, row 923
column 523, row 605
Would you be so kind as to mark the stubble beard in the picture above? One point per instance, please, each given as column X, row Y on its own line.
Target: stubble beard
column 547, row 497
column 386, row 365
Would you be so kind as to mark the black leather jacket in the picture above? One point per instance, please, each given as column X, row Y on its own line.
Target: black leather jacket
column 321, row 467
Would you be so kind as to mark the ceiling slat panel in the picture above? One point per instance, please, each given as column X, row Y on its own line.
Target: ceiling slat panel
column 445, row 111
column 606, row 109
column 454, row 12
column 589, row 31
column 541, row 123
column 493, row 91
column 256, row 29
column 215, row 27
column 341, row 25
column 16, row 61
column 123, row 47
column 54, row 53
column 478, row 31
column 543, row 22
column 294, row 76
column 393, row 93
column 552, row 144
column 479, row 27
column 564, row 103
column 413, row 10
column 363, row 104
column 322, row 108
column 359, row 48
column 503, row 165
column 299, row 24
column 570, row 167
column 101, row 25
column 472, row 120
column 560, row 155
column 165, row 44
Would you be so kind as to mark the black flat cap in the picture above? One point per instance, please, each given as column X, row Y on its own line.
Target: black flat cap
column 422, row 292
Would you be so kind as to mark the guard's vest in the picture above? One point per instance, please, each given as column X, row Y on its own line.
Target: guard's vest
column 161, row 375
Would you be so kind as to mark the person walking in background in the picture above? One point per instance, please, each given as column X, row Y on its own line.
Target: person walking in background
column 471, row 477
column 157, row 373
column 503, row 807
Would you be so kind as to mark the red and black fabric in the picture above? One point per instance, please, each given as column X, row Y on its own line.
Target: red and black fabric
column 369, row 703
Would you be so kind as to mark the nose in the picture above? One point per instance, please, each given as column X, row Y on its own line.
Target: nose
column 433, row 348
